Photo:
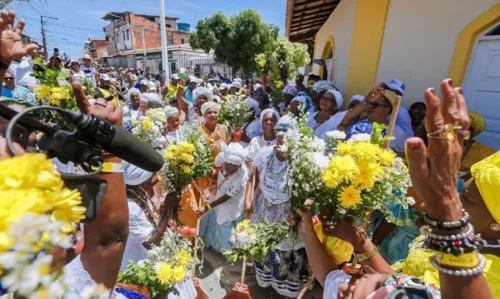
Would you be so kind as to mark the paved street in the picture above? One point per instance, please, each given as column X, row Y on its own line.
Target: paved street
column 219, row 276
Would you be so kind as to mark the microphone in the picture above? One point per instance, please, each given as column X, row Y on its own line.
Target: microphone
column 116, row 140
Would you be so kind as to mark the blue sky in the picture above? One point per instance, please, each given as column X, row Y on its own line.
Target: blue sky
column 87, row 14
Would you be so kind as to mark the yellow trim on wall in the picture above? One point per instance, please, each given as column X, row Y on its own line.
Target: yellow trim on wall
column 330, row 43
column 366, row 45
column 466, row 41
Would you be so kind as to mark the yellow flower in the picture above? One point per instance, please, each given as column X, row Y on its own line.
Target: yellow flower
column 66, row 206
column 183, row 258
column 135, row 122
column 340, row 169
column 169, row 155
column 365, row 152
column 242, row 226
column 179, row 274
column 5, row 243
column 188, row 147
column 368, row 175
column 165, row 274
column 43, row 92
column 279, row 84
column 344, row 148
column 386, row 157
column 350, row 197
column 147, row 124
column 187, row 158
column 186, row 169
column 173, row 148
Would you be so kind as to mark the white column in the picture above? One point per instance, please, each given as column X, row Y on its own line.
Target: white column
column 164, row 49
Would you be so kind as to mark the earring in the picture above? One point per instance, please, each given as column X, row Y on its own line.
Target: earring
column 373, row 94
column 495, row 227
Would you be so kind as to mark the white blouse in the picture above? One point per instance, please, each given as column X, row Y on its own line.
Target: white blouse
column 254, row 129
column 272, row 178
column 330, row 124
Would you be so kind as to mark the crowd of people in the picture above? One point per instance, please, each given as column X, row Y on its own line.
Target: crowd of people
column 455, row 179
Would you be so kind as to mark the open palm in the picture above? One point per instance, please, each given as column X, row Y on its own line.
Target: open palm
column 11, row 47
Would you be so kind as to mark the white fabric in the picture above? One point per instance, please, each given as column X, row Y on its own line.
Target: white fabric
column 233, row 186
column 398, row 144
column 20, row 69
column 253, row 129
column 330, row 124
column 209, row 105
column 323, row 85
column 159, row 142
column 202, row 91
column 140, row 230
column 272, row 182
column 173, row 137
column 233, row 154
column 236, row 84
column 170, row 111
column 90, row 73
column 332, row 281
column 252, row 149
column 134, row 175
column 357, row 97
column 254, row 104
column 338, row 98
column 301, row 99
column 266, row 111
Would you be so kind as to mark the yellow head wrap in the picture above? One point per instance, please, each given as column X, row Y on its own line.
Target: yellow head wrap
column 156, row 115
column 486, row 174
column 477, row 123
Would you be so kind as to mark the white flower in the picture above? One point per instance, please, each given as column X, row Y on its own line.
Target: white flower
column 337, row 135
column 283, row 148
column 342, row 211
column 411, row 201
column 318, row 145
column 320, row 160
column 361, row 137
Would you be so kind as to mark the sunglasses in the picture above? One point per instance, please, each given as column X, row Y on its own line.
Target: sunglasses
column 376, row 105
column 8, row 78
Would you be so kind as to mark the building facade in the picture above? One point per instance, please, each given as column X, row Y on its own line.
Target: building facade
column 420, row 42
column 96, row 48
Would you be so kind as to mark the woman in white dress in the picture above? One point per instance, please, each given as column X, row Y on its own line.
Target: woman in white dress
column 225, row 208
column 146, row 227
column 268, row 120
column 329, row 117
column 286, row 267
column 172, row 129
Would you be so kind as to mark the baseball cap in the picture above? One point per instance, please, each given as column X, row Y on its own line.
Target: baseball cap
column 397, row 85
column 104, row 77
column 144, row 82
column 174, row 77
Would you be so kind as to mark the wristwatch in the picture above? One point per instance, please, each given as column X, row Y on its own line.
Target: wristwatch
column 367, row 255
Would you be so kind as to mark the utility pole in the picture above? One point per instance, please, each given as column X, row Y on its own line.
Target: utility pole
column 144, row 49
column 43, row 34
column 164, row 49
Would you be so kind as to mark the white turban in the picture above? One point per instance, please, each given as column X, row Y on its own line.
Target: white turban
column 131, row 91
column 357, row 97
column 199, row 81
column 269, row 110
column 238, row 80
column 217, row 99
column 209, row 105
column 254, row 104
column 338, row 97
column 236, row 84
column 202, row 91
column 234, row 154
column 134, row 175
column 300, row 99
column 323, row 85
column 169, row 111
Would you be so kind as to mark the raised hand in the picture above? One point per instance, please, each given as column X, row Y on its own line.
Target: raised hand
column 11, row 47
column 101, row 108
column 434, row 169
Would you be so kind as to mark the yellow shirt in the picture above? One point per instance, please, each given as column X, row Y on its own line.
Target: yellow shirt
column 172, row 91
column 476, row 153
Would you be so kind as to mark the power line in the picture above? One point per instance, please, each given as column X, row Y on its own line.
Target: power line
column 65, row 34
column 76, row 28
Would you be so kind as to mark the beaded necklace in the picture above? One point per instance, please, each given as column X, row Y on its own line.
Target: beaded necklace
column 269, row 170
column 139, row 196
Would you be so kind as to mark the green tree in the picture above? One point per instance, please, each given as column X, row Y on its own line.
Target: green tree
column 236, row 40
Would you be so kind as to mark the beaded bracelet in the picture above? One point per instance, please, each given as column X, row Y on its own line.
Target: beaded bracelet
column 447, row 225
column 468, row 233
column 456, row 247
column 462, row 272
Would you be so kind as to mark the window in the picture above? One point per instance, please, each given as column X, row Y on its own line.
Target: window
column 128, row 34
column 169, row 26
column 184, row 41
column 330, row 54
column 495, row 31
column 124, row 36
column 170, row 41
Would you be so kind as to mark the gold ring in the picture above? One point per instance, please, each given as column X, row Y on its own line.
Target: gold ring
column 446, row 132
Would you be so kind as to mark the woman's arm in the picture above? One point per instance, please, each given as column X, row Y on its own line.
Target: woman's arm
column 249, row 192
column 182, row 102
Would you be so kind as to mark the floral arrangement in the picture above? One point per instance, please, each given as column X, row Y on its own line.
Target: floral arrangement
column 187, row 160
column 239, row 111
column 362, row 176
column 255, row 241
column 36, row 214
column 146, row 130
column 53, row 90
column 166, row 266
column 262, row 63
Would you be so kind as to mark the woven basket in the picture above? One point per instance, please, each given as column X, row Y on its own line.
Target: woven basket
column 137, row 289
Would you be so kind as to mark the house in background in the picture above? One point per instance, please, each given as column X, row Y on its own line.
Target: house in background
column 420, row 42
column 96, row 48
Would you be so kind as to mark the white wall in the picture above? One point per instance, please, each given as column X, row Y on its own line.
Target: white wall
column 420, row 39
column 339, row 25
column 123, row 44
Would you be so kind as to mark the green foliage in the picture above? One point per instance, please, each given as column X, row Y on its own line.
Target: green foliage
column 141, row 275
column 287, row 58
column 236, row 40
column 377, row 137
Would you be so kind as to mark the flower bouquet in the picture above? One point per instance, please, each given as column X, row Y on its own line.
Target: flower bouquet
column 147, row 131
column 361, row 177
column 167, row 265
column 239, row 111
column 255, row 241
column 262, row 63
column 36, row 214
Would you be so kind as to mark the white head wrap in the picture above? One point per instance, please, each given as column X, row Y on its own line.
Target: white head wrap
column 288, row 123
column 357, row 97
column 236, row 84
column 269, row 110
column 233, row 154
column 131, row 91
column 323, row 85
column 217, row 99
column 338, row 97
column 169, row 111
column 223, row 86
column 254, row 104
column 202, row 91
column 199, row 81
column 209, row 105
column 192, row 78
column 300, row 99
column 257, row 86
column 239, row 80
column 134, row 175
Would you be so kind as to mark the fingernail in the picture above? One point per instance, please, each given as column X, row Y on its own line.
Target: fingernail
column 460, row 91
column 433, row 91
column 414, row 146
column 450, row 82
